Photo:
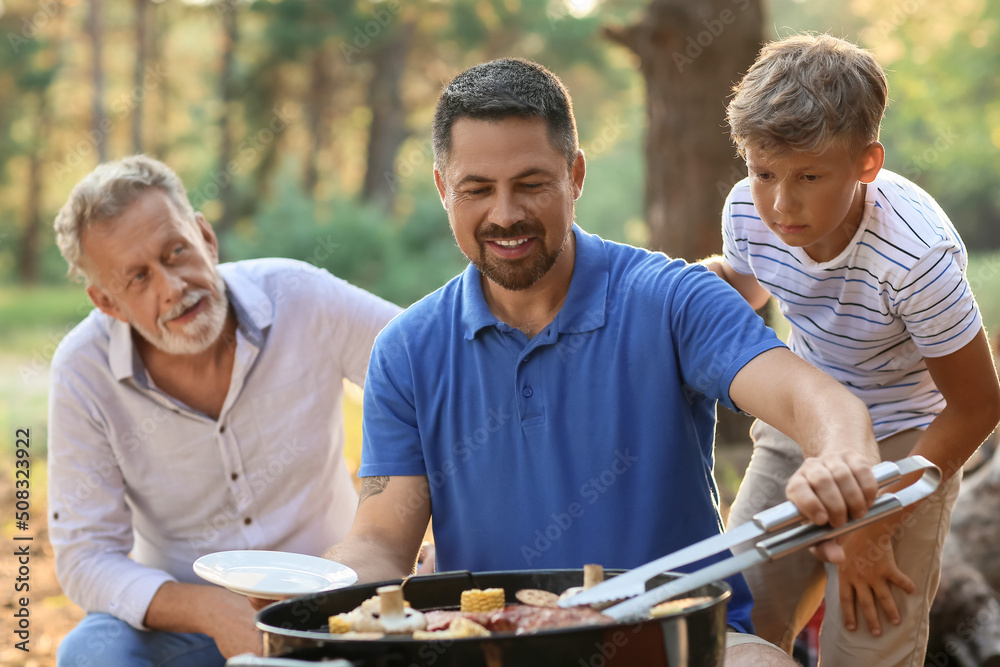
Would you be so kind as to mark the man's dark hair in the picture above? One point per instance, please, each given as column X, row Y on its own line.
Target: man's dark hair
column 502, row 88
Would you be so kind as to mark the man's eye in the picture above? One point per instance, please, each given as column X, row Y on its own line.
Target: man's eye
column 137, row 277
column 763, row 176
column 812, row 178
column 532, row 186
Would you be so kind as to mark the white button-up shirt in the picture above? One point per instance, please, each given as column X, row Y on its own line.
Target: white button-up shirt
column 135, row 472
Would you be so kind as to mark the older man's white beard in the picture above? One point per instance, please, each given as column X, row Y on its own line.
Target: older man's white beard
column 197, row 335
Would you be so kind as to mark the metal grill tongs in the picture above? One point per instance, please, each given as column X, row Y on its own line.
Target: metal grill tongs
column 776, row 532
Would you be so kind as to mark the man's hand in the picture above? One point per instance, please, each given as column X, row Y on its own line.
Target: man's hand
column 867, row 579
column 833, row 487
column 222, row 615
column 259, row 603
column 835, row 482
column 231, row 625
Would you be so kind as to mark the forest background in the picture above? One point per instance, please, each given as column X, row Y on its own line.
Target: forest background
column 301, row 129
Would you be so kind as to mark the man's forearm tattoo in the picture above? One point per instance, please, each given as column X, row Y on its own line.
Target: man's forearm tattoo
column 372, row 486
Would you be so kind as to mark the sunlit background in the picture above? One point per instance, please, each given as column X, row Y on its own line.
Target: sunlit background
column 301, row 129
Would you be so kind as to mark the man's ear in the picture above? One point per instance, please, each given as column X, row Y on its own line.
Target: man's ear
column 439, row 182
column 105, row 303
column 871, row 160
column 577, row 173
column 208, row 234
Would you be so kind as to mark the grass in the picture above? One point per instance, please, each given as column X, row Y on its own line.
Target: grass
column 33, row 318
column 32, row 322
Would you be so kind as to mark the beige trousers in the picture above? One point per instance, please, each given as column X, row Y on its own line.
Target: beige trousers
column 788, row 591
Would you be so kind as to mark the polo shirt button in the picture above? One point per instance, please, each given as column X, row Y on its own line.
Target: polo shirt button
column 222, row 429
column 528, row 392
column 247, row 521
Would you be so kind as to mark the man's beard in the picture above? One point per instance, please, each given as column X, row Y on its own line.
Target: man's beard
column 515, row 275
column 199, row 334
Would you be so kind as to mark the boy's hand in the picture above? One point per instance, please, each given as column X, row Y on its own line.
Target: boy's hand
column 744, row 283
column 866, row 577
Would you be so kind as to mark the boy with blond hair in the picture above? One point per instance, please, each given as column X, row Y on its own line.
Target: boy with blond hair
column 870, row 274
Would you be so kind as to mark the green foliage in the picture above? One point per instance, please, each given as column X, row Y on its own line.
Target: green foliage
column 42, row 307
column 984, row 277
column 360, row 243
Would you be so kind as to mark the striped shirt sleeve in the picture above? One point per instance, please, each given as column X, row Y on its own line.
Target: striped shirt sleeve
column 936, row 302
column 736, row 250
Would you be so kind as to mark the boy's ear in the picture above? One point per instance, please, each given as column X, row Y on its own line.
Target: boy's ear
column 870, row 161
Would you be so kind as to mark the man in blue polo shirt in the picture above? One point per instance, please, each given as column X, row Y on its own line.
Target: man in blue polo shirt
column 555, row 404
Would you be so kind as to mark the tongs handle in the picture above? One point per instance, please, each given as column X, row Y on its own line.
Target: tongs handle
column 809, row 534
column 787, row 514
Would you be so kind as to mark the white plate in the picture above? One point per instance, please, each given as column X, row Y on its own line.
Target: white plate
column 272, row 575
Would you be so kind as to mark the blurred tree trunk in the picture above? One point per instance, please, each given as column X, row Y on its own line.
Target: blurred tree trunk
column 141, row 49
column 41, row 80
column 158, row 29
column 99, row 122
column 320, row 92
column 27, row 259
column 691, row 53
column 388, row 127
column 227, row 217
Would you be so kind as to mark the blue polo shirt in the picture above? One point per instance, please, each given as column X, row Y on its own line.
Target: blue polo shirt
column 591, row 442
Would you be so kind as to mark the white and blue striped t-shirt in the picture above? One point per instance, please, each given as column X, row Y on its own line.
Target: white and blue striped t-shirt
column 868, row 317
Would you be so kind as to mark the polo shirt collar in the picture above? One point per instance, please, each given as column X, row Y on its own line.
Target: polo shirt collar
column 254, row 315
column 586, row 300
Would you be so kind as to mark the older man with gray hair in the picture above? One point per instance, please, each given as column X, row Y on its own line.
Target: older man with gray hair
column 196, row 409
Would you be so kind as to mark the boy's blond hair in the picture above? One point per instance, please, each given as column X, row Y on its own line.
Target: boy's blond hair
column 806, row 93
column 105, row 193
